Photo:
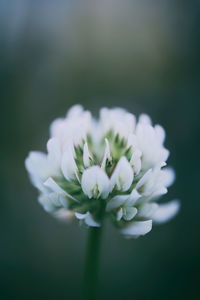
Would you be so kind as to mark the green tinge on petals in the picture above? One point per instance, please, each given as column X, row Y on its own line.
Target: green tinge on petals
column 95, row 183
column 87, row 218
column 87, row 158
column 122, row 176
column 54, row 187
column 114, row 165
column 68, row 165
column 129, row 213
column 107, row 155
column 116, row 202
column 119, row 214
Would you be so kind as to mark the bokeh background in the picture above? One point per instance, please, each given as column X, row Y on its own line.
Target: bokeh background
column 142, row 55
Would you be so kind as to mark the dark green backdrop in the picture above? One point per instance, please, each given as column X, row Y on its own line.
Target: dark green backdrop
column 141, row 55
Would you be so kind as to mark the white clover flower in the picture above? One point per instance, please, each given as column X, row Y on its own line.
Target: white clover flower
column 113, row 167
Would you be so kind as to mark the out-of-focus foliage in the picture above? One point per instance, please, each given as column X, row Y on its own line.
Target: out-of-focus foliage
column 142, row 55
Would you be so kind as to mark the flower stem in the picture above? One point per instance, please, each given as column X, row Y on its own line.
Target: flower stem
column 92, row 263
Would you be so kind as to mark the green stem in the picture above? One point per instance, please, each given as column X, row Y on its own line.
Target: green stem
column 92, row 263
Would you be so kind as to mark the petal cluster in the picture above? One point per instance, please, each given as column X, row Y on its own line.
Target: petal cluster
column 114, row 167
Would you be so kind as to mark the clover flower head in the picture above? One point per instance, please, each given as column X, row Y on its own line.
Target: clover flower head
column 113, row 167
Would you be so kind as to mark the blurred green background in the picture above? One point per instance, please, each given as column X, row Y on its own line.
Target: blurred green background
column 141, row 55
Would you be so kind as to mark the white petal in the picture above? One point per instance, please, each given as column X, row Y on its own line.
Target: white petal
column 144, row 179
column 159, row 181
column 122, row 176
column 39, row 169
column 63, row 200
column 38, row 183
column 46, row 203
column 56, row 127
column 147, row 210
column 54, row 154
column 68, row 165
column 129, row 213
column 144, row 119
column 95, row 182
column 118, row 120
column 116, row 202
column 153, row 152
column 75, row 111
column 58, row 200
column 130, row 121
column 74, row 127
column 136, row 161
column 80, row 216
column 168, row 176
column 160, row 133
column 106, row 155
column 54, row 149
column 86, row 156
column 36, row 163
column 137, row 228
column 54, row 198
column 166, row 211
column 158, row 192
column 133, row 198
column 119, row 214
column 54, row 187
column 132, row 141
column 89, row 220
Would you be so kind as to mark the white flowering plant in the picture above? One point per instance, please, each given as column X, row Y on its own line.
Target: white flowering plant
column 112, row 167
